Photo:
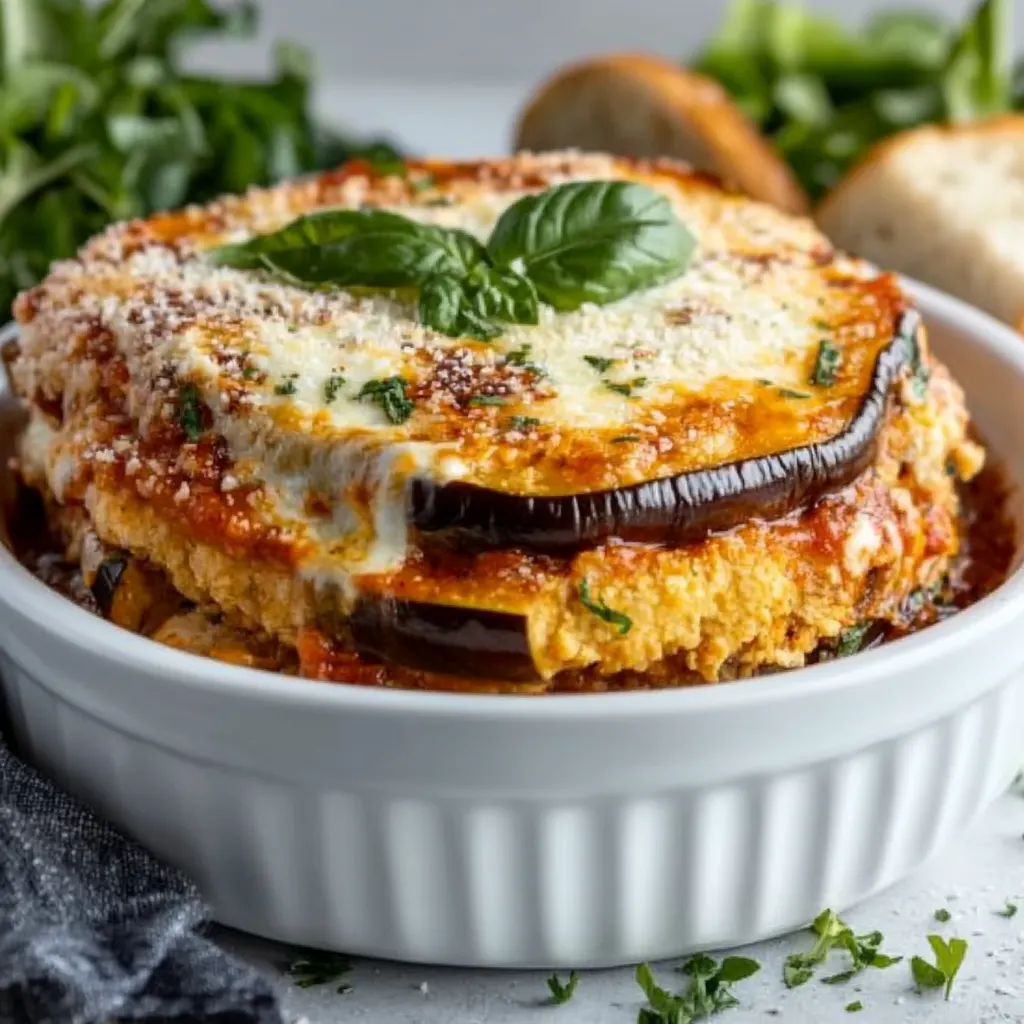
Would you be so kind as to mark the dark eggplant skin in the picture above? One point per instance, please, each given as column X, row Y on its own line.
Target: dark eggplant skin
column 468, row 642
column 678, row 509
column 108, row 578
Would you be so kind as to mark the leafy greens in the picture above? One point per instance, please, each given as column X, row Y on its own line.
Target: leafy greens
column 98, row 122
column 824, row 95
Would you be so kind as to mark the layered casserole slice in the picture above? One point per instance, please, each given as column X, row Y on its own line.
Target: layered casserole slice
column 547, row 422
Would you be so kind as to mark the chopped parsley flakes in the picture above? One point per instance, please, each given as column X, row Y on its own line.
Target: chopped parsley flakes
column 521, row 357
column 190, row 415
column 286, row 387
column 562, row 993
column 487, row 400
column 826, row 365
column 332, row 386
column 622, row 622
column 708, row 993
column 833, row 933
column 522, row 423
column 599, row 363
column 625, row 389
column 390, row 394
column 948, row 958
column 319, row 968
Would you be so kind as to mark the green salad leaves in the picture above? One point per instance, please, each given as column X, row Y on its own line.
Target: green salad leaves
column 825, row 94
column 99, row 122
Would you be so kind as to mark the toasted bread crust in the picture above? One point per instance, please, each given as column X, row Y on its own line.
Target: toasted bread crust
column 882, row 151
column 737, row 150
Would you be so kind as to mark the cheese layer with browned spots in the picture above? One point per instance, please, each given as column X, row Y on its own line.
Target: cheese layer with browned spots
column 207, row 419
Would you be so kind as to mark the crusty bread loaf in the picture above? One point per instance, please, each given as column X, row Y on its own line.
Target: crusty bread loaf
column 638, row 105
column 945, row 205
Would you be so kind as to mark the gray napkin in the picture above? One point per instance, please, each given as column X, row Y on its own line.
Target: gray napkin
column 95, row 929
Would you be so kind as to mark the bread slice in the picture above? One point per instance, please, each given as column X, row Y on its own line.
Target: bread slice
column 944, row 204
column 641, row 106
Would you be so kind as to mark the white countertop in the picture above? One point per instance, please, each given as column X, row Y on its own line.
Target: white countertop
column 973, row 880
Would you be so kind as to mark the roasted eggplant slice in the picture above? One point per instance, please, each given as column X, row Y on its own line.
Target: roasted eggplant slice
column 677, row 509
column 133, row 595
column 473, row 642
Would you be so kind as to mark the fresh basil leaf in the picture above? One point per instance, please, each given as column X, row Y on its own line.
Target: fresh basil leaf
column 476, row 305
column 503, row 295
column 592, row 241
column 976, row 78
column 365, row 248
column 447, row 306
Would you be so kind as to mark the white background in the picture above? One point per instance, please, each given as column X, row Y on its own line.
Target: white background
column 506, row 40
column 446, row 77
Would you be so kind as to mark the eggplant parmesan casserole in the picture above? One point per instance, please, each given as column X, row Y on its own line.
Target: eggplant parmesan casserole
column 552, row 422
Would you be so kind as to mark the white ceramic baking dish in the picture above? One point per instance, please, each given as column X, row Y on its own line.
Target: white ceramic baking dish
column 568, row 831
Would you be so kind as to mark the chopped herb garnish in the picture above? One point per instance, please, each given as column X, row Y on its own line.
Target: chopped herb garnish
column 597, row 607
column 851, row 639
column 920, row 373
column 623, row 438
column 487, row 400
column 286, row 387
column 521, row 357
column 521, row 422
column 562, row 993
column 319, row 968
column 709, row 991
column 599, row 363
column 1009, row 910
column 190, row 416
column 948, row 958
column 855, row 1007
column 790, row 393
column 332, row 386
column 826, row 366
column 625, row 389
column 765, row 382
column 248, row 372
column 833, row 933
column 389, row 394
column 942, row 915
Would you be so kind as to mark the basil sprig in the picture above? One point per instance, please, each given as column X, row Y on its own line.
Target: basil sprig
column 594, row 241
